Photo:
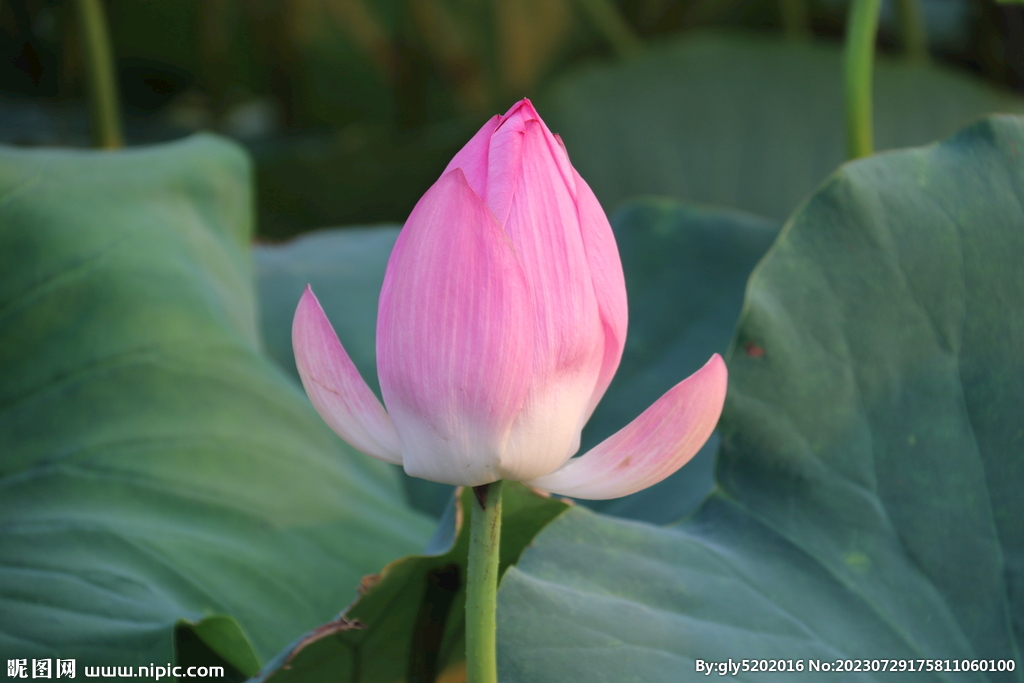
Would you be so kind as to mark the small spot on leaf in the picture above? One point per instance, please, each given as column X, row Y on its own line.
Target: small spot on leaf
column 857, row 561
column 753, row 350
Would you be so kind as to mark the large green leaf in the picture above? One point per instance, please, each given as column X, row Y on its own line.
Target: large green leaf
column 156, row 470
column 753, row 122
column 870, row 477
column 409, row 622
column 685, row 268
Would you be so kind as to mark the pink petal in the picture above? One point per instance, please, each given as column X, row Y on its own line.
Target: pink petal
column 454, row 337
column 609, row 284
column 506, row 152
column 569, row 342
column 519, row 118
column 334, row 385
column 473, row 157
column 650, row 448
column 504, row 159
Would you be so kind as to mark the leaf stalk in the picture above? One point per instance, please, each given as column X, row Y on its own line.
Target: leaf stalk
column 105, row 116
column 861, row 29
column 796, row 19
column 913, row 32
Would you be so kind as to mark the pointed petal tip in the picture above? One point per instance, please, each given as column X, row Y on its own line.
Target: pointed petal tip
column 717, row 368
column 519, row 116
column 307, row 299
column 305, row 311
column 456, row 176
column 650, row 448
column 524, row 103
column 335, row 387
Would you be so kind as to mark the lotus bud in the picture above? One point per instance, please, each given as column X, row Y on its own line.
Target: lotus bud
column 501, row 322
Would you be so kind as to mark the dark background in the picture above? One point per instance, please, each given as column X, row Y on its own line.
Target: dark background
column 351, row 108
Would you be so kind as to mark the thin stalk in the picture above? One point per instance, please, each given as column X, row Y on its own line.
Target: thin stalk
column 861, row 29
column 482, row 585
column 609, row 22
column 796, row 18
column 99, row 67
column 913, row 33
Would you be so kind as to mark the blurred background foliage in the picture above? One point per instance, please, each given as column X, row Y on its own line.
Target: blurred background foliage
column 351, row 108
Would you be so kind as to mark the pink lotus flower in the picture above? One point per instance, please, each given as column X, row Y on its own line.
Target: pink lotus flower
column 502, row 320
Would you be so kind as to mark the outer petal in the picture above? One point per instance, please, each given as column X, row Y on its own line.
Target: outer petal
column 569, row 342
column 454, row 337
column 657, row 443
column 335, row 387
column 609, row 284
column 473, row 157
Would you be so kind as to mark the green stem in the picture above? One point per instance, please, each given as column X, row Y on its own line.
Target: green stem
column 99, row 66
column 482, row 585
column 861, row 29
column 609, row 22
column 796, row 20
column 913, row 33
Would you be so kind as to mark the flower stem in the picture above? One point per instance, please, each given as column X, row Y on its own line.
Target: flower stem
column 482, row 585
column 861, row 28
column 99, row 66
column 913, row 33
column 796, row 21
